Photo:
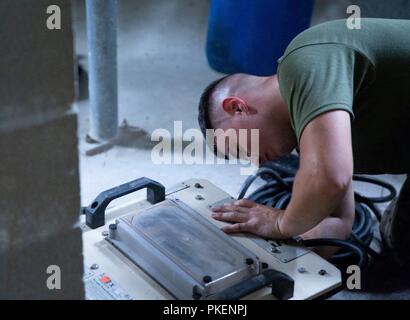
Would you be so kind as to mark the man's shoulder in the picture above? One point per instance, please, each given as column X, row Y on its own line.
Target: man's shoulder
column 368, row 39
column 318, row 34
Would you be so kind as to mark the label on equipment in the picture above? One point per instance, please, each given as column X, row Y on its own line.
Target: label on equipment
column 99, row 286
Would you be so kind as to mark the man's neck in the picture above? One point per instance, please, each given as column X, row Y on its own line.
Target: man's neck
column 282, row 117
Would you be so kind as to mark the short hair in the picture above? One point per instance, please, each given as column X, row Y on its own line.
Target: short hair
column 205, row 104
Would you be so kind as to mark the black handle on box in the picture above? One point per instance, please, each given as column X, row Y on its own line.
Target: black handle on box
column 95, row 212
column 282, row 286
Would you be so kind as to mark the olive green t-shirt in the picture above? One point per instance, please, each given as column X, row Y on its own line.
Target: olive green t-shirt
column 365, row 72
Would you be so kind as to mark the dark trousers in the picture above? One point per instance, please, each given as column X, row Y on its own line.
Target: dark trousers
column 395, row 226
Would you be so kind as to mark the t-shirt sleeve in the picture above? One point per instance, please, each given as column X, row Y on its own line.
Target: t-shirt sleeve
column 316, row 79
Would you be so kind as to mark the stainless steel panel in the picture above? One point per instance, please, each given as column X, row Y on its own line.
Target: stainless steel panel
column 172, row 236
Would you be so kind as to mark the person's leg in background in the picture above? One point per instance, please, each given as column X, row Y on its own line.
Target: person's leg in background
column 395, row 227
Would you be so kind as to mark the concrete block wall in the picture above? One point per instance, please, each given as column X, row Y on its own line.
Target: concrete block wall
column 39, row 178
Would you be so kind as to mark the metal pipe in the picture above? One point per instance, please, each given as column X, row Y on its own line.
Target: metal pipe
column 102, row 60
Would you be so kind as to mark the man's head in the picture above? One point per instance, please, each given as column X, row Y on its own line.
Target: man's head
column 242, row 101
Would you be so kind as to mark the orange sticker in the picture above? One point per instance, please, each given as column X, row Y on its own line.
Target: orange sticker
column 105, row 279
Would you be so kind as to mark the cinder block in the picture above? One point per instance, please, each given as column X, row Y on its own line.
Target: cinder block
column 39, row 182
column 36, row 65
column 23, row 268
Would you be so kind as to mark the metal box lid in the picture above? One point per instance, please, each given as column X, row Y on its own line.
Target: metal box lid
column 189, row 252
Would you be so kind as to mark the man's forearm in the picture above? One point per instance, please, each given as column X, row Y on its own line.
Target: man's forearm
column 314, row 198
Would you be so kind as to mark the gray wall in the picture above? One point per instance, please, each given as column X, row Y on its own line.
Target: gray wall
column 39, row 183
column 336, row 9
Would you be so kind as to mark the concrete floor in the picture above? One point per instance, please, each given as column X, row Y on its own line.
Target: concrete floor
column 162, row 71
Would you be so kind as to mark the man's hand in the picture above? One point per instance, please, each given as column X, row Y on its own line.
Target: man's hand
column 250, row 217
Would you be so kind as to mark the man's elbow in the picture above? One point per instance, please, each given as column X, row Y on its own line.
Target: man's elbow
column 335, row 185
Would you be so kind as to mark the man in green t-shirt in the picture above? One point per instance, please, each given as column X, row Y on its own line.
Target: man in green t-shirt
column 342, row 97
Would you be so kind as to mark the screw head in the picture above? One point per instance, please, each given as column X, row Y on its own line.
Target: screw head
column 113, row 226
column 196, row 295
column 322, row 272
column 275, row 250
column 94, row 266
column 264, row 265
column 207, row 279
column 198, row 185
column 199, row 197
column 301, row 270
column 249, row 261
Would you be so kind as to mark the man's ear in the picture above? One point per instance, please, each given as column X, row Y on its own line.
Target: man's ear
column 234, row 105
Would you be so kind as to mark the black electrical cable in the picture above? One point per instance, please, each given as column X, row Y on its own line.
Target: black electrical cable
column 276, row 193
column 351, row 247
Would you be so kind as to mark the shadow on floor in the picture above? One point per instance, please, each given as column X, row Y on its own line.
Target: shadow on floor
column 129, row 137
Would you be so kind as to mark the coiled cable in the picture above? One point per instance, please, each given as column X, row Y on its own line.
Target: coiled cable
column 276, row 193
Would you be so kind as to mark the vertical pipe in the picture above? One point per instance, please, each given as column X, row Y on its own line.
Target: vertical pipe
column 102, row 60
